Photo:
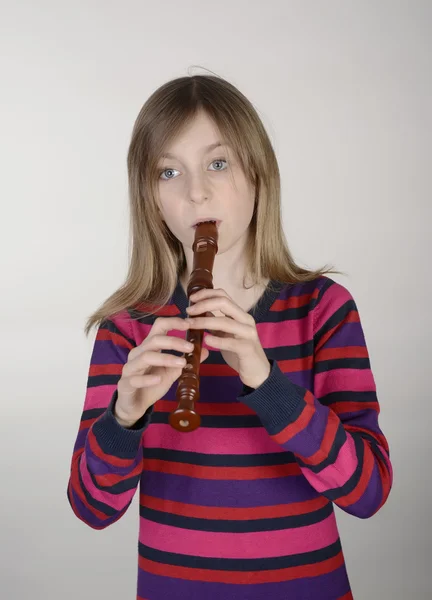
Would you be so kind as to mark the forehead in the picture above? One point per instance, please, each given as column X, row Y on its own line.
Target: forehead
column 206, row 149
column 199, row 135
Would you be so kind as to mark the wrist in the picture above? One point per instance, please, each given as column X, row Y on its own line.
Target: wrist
column 257, row 382
column 124, row 422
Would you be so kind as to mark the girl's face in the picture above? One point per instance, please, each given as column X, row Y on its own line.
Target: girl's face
column 196, row 181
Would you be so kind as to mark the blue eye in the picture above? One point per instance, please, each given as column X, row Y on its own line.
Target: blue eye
column 217, row 160
column 166, row 171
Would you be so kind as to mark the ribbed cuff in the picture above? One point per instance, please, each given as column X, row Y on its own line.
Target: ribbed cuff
column 276, row 401
column 115, row 439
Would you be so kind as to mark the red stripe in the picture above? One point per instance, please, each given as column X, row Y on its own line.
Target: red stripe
column 87, row 423
column 108, row 369
column 111, row 479
column 169, row 310
column 296, row 365
column 108, row 458
column 242, row 577
column 348, row 406
column 221, row 473
column 378, row 436
column 233, row 514
column 115, row 338
column 327, row 442
column 363, row 482
column 293, row 302
column 287, row 366
column 343, row 352
column 301, row 422
column 78, row 490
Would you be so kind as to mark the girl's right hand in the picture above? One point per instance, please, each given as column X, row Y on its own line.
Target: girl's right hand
column 138, row 388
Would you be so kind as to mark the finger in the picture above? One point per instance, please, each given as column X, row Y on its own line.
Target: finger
column 140, row 381
column 162, row 325
column 224, row 305
column 207, row 292
column 220, row 324
column 127, row 386
column 159, row 342
column 152, row 359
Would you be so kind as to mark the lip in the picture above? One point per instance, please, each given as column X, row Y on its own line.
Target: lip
column 218, row 221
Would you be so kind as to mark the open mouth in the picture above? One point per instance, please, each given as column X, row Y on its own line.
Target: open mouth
column 217, row 221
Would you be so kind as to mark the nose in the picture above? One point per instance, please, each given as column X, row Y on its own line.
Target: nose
column 198, row 187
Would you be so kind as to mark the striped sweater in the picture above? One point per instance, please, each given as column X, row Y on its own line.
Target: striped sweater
column 243, row 507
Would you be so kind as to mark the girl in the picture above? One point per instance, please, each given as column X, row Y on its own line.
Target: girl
column 243, row 507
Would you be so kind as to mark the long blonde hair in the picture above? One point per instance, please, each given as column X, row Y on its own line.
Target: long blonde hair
column 156, row 256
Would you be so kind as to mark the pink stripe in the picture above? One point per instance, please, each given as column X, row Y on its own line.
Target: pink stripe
column 211, row 440
column 99, row 396
column 141, row 331
column 334, row 297
column 117, row 501
column 275, row 335
column 263, row 544
column 341, row 380
column 337, row 474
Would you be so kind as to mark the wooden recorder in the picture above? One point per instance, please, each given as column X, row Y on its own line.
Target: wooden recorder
column 205, row 247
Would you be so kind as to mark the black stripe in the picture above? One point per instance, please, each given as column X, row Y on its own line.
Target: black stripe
column 210, row 421
column 374, row 445
column 336, row 319
column 124, row 485
column 289, row 314
column 234, row 526
column 240, row 564
column 100, row 506
column 341, row 363
column 352, row 482
column 108, row 325
column 347, row 396
column 279, row 354
column 106, row 379
column 328, row 283
column 92, row 413
column 339, row 441
column 219, row 460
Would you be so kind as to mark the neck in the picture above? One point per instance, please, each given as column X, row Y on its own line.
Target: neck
column 229, row 268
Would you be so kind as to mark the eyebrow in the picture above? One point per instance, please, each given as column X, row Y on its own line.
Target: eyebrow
column 206, row 148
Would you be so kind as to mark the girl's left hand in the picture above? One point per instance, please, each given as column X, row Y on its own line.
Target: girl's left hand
column 235, row 334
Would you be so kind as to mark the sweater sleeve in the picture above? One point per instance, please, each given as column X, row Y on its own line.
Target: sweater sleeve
column 333, row 432
column 107, row 458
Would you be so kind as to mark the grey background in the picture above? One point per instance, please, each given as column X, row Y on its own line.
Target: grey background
column 344, row 89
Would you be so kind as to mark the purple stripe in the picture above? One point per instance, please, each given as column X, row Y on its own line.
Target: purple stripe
column 298, row 289
column 349, row 334
column 302, row 378
column 106, row 352
column 308, row 441
column 210, row 387
column 80, row 439
column 322, row 587
column 233, row 494
column 87, row 516
column 99, row 467
column 367, row 504
column 367, row 419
